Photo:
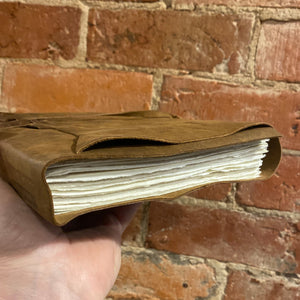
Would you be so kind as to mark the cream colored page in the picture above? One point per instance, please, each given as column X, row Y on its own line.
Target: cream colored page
column 78, row 185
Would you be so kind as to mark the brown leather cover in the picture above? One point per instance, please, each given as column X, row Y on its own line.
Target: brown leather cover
column 29, row 143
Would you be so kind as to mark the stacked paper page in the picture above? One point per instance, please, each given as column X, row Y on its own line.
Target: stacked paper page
column 81, row 184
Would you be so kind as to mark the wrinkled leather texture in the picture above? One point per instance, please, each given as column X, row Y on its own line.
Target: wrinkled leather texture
column 29, row 143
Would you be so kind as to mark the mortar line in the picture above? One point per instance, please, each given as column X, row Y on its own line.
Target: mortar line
column 112, row 5
column 235, row 80
column 71, row 3
column 144, row 223
column 291, row 152
column 2, row 69
column 277, row 13
column 83, row 33
column 251, row 211
column 253, row 47
column 3, row 106
column 156, row 89
column 218, row 265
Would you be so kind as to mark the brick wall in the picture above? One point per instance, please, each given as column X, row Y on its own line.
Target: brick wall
column 218, row 59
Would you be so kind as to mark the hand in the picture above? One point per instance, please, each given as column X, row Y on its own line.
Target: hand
column 41, row 261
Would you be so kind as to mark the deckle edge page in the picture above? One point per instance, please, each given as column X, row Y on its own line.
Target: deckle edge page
column 77, row 185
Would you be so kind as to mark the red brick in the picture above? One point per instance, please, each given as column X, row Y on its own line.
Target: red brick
column 278, row 55
column 207, row 100
column 149, row 38
column 241, row 285
column 281, row 192
column 32, row 88
column 217, row 192
column 38, row 31
column 148, row 275
column 267, row 243
column 259, row 3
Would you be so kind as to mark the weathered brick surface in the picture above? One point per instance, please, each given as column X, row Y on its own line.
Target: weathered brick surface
column 244, row 286
column 169, row 39
column 197, row 99
column 219, row 192
column 259, row 3
column 37, row 31
column 32, row 88
column 270, row 243
column 155, row 276
column 281, row 192
column 202, row 40
column 278, row 55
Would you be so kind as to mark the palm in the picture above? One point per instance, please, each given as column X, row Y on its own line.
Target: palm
column 65, row 264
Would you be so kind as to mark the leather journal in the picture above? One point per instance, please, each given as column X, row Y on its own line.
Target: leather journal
column 65, row 165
